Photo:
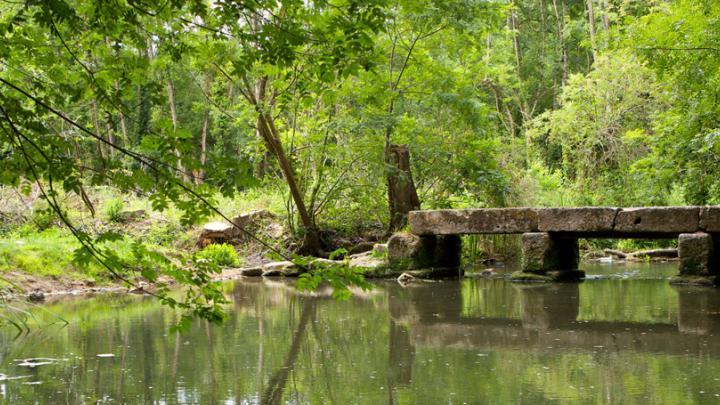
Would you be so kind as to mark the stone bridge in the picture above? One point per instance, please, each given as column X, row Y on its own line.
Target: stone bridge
column 550, row 237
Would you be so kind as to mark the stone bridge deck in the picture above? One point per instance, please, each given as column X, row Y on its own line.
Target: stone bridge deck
column 550, row 236
column 645, row 222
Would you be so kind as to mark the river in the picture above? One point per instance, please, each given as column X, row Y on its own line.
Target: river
column 622, row 336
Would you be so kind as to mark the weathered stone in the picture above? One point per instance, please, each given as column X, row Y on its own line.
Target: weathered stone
column 580, row 219
column 369, row 265
column 479, row 221
column 286, row 268
column 361, row 248
column 710, row 219
column 215, row 232
column 695, row 251
column 130, row 216
column 408, row 251
column 657, row 220
column 321, row 263
column 252, row 271
column 405, row 279
column 380, row 249
column 543, row 252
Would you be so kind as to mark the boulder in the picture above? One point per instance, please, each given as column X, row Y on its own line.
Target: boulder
column 215, row 232
column 380, row 249
column 252, row 271
column 361, row 248
column 284, row 268
column 252, row 222
column 473, row 221
column 580, row 219
column 658, row 220
column 405, row 279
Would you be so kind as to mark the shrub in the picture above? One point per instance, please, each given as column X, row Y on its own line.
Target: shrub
column 43, row 217
column 222, row 255
column 113, row 210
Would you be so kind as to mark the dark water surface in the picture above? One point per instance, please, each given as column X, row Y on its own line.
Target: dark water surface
column 631, row 338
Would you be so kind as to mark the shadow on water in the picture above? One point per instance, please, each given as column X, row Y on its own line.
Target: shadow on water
column 475, row 341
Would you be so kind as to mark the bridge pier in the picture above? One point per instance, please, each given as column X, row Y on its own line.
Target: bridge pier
column 697, row 253
column 549, row 256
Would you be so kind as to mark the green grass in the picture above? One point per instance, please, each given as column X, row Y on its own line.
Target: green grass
column 50, row 253
column 45, row 253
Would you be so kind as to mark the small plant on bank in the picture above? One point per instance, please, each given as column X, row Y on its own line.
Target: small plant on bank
column 222, row 255
column 114, row 209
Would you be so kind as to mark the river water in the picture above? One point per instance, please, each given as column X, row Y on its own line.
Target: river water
column 628, row 337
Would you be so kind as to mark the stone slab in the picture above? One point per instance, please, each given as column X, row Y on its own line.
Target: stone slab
column 543, row 252
column 657, row 220
column 576, row 219
column 710, row 219
column 695, row 251
column 473, row 221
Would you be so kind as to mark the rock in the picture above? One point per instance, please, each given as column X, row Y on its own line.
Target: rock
column 580, row 219
column 215, row 232
column 380, row 249
column 487, row 272
column 130, row 216
column 285, row 268
column 361, row 247
column 486, row 221
column 710, row 219
column 368, row 264
column 36, row 296
column 405, row 279
column 223, row 232
column 658, row 220
column 251, row 271
column 695, row 251
column 320, row 263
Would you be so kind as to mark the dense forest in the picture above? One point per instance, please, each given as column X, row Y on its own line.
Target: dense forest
column 346, row 114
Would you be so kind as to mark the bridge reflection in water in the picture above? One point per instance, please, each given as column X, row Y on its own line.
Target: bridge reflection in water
column 538, row 317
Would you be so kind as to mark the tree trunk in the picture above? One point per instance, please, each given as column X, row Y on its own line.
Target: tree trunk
column 311, row 239
column 173, row 116
column 96, row 124
column 560, row 23
column 604, row 16
column 591, row 24
column 402, row 194
column 200, row 174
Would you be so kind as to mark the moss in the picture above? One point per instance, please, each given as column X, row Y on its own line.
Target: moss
column 524, row 277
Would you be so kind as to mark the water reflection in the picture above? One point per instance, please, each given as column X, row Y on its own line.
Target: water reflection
column 473, row 341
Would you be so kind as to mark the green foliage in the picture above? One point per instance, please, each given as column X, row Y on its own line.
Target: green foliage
column 222, row 255
column 114, row 209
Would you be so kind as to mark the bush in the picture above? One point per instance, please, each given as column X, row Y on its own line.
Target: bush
column 222, row 255
column 114, row 209
column 43, row 217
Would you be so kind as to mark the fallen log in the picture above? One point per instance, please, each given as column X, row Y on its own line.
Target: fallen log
column 668, row 252
column 617, row 253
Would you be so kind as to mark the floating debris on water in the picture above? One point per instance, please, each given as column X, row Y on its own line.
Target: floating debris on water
column 37, row 361
column 105, row 355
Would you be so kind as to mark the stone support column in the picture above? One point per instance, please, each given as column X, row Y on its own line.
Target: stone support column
column 697, row 254
column 439, row 253
column 549, row 255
